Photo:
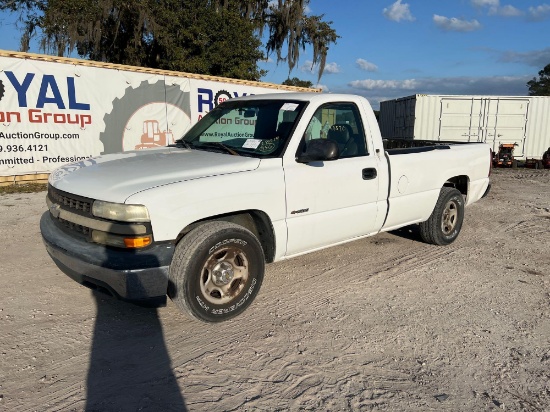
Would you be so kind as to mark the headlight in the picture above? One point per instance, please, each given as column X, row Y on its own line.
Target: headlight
column 120, row 212
column 130, row 242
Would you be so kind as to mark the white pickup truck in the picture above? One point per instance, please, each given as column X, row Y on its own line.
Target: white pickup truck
column 258, row 179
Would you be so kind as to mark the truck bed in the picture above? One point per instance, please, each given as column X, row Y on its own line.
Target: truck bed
column 419, row 168
column 402, row 146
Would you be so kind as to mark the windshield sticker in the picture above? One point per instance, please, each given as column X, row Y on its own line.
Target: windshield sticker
column 289, row 107
column 252, row 143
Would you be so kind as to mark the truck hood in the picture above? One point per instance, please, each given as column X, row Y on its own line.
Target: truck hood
column 115, row 177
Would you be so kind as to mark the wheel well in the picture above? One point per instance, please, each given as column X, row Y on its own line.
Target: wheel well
column 254, row 220
column 460, row 183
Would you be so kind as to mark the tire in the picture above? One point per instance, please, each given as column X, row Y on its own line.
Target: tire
column 216, row 272
column 445, row 222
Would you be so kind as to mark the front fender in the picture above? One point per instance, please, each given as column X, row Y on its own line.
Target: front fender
column 175, row 206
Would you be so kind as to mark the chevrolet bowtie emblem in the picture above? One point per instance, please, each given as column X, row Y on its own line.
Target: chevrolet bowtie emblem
column 55, row 209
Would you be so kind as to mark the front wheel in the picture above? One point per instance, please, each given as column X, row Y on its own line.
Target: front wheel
column 445, row 222
column 216, row 272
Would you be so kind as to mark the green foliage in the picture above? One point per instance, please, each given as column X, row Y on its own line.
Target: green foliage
column 205, row 40
column 216, row 37
column 289, row 25
column 540, row 87
column 297, row 82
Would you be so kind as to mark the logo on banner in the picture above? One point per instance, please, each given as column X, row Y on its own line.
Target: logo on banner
column 207, row 99
column 150, row 115
column 221, row 97
column 51, row 107
column 153, row 136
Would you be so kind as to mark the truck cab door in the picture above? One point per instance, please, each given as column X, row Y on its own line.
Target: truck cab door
column 332, row 201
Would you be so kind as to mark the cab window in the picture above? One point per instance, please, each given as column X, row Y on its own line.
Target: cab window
column 341, row 123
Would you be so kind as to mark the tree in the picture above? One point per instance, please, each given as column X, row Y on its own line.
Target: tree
column 540, row 87
column 216, row 37
column 297, row 82
column 288, row 24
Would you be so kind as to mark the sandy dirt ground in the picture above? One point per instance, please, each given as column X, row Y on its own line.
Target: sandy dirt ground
column 383, row 323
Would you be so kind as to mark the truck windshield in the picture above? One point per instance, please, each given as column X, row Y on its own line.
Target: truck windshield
column 256, row 128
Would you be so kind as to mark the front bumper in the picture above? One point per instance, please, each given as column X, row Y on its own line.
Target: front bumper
column 136, row 275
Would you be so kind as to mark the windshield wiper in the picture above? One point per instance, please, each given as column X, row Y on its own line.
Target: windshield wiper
column 180, row 143
column 217, row 145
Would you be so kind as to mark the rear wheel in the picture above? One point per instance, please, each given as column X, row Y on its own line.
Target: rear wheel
column 216, row 272
column 445, row 222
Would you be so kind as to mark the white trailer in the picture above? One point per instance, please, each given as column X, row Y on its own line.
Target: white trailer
column 520, row 120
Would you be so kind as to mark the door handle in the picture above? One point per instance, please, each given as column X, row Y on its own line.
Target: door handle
column 369, row 173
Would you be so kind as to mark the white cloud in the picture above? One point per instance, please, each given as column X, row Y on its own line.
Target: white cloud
column 539, row 13
column 534, row 58
column 332, row 68
column 454, row 24
column 370, row 84
column 323, row 87
column 486, row 3
column 380, row 90
column 397, row 12
column 495, row 9
column 508, row 11
column 367, row 66
column 309, row 67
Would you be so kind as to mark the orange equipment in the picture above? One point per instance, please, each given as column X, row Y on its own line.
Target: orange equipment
column 153, row 137
column 505, row 155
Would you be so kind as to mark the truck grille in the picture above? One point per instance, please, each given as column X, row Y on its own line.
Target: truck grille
column 74, row 227
column 70, row 202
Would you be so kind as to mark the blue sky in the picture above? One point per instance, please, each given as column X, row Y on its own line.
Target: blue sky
column 392, row 49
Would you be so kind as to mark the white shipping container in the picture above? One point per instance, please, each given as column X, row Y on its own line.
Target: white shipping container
column 520, row 120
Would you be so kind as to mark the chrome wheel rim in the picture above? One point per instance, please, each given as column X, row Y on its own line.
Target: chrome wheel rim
column 224, row 275
column 449, row 218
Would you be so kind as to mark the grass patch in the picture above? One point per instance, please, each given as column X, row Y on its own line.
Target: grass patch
column 24, row 188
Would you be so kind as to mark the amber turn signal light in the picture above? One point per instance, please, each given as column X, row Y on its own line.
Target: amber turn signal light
column 137, row 242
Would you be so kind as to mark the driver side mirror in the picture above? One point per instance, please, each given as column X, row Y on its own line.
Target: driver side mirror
column 319, row 150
